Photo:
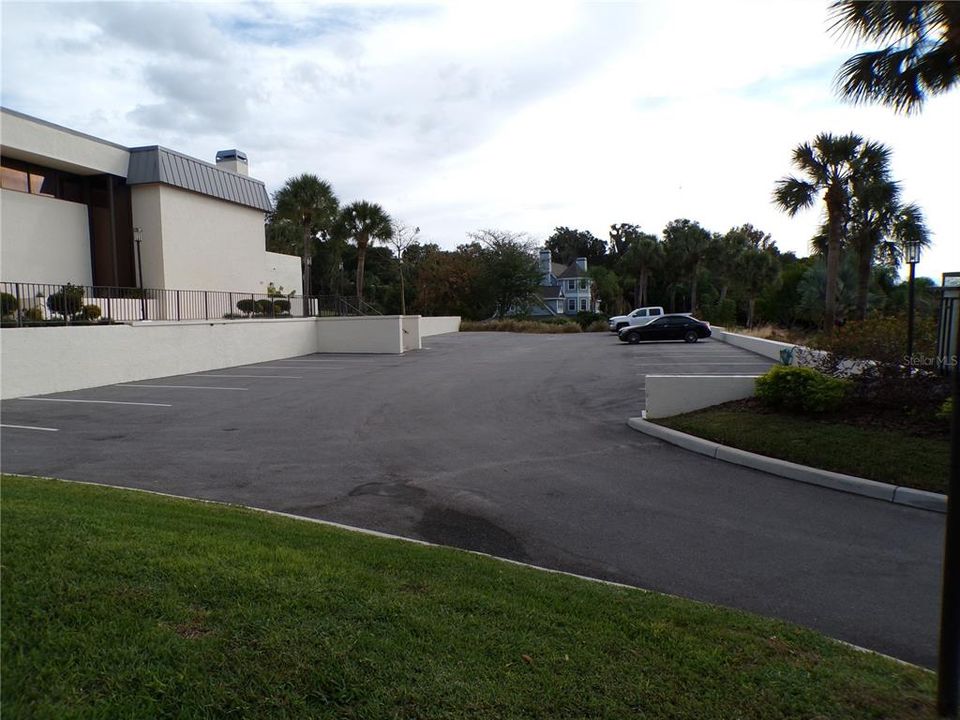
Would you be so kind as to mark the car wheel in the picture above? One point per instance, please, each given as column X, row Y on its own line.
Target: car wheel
column 690, row 336
column 632, row 338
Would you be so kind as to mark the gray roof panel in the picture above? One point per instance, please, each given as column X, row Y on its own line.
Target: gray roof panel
column 160, row 165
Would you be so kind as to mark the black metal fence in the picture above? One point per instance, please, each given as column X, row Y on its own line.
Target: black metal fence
column 37, row 304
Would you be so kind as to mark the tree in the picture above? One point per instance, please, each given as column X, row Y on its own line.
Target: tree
column 402, row 238
column 691, row 245
column 511, row 272
column 308, row 203
column 921, row 56
column 642, row 257
column 879, row 225
column 831, row 166
column 758, row 268
column 567, row 245
column 364, row 222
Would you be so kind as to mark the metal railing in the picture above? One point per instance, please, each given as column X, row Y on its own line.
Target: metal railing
column 38, row 304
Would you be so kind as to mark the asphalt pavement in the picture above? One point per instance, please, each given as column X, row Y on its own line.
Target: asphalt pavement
column 514, row 445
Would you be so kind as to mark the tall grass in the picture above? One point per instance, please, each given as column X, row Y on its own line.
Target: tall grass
column 519, row 326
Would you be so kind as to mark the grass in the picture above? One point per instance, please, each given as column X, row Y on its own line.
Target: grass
column 889, row 456
column 122, row 604
column 520, row 326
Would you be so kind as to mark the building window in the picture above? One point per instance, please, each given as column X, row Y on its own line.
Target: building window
column 583, row 303
column 572, row 305
column 571, row 284
column 583, row 284
column 38, row 180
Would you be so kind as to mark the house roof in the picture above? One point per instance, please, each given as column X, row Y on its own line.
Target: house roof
column 550, row 292
column 557, row 268
column 157, row 164
column 572, row 271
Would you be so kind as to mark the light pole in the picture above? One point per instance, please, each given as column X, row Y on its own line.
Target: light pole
column 138, row 238
column 912, row 252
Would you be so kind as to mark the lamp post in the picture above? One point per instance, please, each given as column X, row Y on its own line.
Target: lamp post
column 138, row 238
column 912, row 252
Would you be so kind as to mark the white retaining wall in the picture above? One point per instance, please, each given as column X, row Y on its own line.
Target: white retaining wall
column 36, row 361
column 768, row 348
column 439, row 325
column 675, row 394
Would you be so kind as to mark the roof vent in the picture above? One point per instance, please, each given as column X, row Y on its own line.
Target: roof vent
column 232, row 160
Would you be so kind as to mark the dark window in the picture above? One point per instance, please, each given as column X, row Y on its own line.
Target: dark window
column 39, row 180
column 655, row 311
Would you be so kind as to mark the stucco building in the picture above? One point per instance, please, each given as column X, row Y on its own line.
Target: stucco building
column 72, row 207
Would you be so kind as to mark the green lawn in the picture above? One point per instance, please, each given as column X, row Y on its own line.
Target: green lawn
column 885, row 455
column 119, row 604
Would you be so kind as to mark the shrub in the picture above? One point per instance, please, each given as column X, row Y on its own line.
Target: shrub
column 90, row 312
column 34, row 314
column 264, row 307
column 882, row 339
column 8, row 304
column 522, row 326
column 946, row 410
column 246, row 306
column 597, row 326
column 801, row 389
column 585, row 319
column 67, row 301
column 281, row 306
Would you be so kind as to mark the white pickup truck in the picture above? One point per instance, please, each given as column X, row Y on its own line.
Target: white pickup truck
column 640, row 316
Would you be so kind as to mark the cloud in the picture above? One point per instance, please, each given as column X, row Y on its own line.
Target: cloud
column 465, row 115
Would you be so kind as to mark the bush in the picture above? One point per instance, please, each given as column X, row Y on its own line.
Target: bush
column 946, row 410
column 264, row 307
column 585, row 319
column 801, row 389
column 724, row 314
column 882, row 339
column 8, row 304
column 67, row 301
column 34, row 314
column 522, row 326
column 281, row 306
column 246, row 306
column 90, row 312
column 597, row 326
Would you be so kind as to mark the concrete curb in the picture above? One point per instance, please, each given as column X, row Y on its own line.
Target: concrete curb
column 921, row 499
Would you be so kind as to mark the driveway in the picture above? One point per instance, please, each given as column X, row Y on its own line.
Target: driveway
column 515, row 445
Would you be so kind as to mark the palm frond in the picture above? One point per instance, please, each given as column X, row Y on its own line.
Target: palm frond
column 793, row 195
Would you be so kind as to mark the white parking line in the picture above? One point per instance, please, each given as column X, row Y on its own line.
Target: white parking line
column 29, row 427
column 292, row 367
column 97, row 402
column 181, row 387
column 285, row 377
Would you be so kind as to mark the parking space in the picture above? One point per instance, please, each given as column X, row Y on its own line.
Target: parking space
column 514, row 445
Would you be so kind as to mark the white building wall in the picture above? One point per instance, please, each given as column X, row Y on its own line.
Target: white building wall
column 145, row 207
column 33, row 141
column 43, row 240
column 284, row 271
column 209, row 244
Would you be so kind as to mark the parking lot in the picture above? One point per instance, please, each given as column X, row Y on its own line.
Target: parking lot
column 514, row 445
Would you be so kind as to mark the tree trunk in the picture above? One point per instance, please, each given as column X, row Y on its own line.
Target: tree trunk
column 836, row 203
column 306, row 262
column 644, row 278
column 693, row 290
column 750, row 305
column 723, row 293
column 403, row 298
column 361, row 259
column 864, row 264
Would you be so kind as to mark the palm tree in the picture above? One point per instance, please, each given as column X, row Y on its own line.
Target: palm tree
column 642, row 257
column 758, row 268
column 921, row 57
column 365, row 221
column 691, row 244
column 307, row 202
column 831, row 166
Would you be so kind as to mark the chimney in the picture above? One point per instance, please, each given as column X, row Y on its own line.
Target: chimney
column 232, row 160
column 545, row 261
column 582, row 264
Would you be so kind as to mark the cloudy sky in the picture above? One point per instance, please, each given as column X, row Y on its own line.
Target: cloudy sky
column 458, row 116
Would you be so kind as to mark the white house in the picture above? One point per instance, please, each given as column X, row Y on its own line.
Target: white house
column 72, row 205
column 564, row 289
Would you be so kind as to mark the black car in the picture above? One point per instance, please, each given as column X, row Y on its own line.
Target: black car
column 668, row 327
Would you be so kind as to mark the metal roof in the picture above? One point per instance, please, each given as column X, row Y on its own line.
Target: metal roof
column 159, row 165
